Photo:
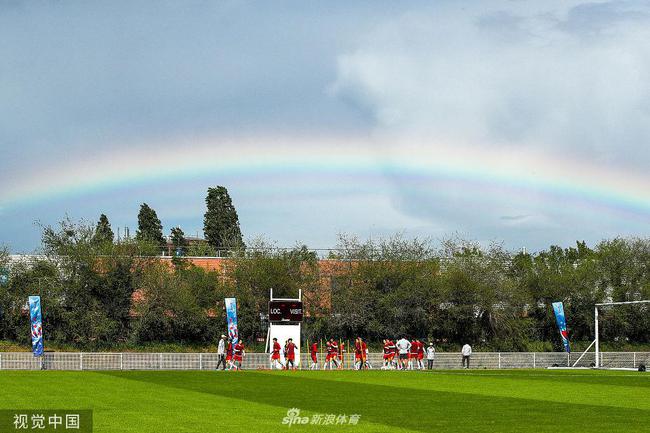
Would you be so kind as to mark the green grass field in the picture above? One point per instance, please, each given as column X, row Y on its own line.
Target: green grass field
column 387, row 401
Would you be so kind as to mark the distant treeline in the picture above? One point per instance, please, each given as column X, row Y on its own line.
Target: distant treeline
column 452, row 291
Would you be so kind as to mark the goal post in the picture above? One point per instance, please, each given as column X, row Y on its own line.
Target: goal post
column 596, row 341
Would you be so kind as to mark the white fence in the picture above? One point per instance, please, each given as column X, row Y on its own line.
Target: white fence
column 208, row 361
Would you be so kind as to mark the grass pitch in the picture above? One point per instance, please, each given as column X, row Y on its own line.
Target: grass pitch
column 387, row 401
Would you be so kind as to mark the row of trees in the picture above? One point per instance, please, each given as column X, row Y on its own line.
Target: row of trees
column 220, row 227
column 96, row 294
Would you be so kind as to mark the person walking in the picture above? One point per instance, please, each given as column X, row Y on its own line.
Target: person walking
column 238, row 355
column 221, row 353
column 431, row 356
column 467, row 353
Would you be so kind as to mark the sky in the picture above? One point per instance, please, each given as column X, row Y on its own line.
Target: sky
column 522, row 122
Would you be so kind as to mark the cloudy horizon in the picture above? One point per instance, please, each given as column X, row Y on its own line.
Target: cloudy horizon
column 517, row 121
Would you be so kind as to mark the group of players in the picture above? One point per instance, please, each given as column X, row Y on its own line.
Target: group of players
column 404, row 354
column 333, row 357
column 289, row 353
column 400, row 355
column 234, row 354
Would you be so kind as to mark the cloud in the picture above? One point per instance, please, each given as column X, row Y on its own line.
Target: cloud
column 572, row 80
column 97, row 86
column 566, row 80
column 78, row 77
column 514, row 217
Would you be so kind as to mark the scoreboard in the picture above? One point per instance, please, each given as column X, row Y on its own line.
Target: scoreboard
column 285, row 311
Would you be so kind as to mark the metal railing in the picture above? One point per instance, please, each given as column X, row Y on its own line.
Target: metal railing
column 208, row 361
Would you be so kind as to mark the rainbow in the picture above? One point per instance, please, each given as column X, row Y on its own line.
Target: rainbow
column 416, row 164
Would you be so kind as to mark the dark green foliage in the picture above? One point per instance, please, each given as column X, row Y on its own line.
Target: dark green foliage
column 169, row 310
column 178, row 241
column 98, row 294
column 220, row 222
column 103, row 232
column 149, row 227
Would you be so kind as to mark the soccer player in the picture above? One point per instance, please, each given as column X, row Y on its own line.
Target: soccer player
column 360, row 349
column 387, row 360
column 341, row 351
column 413, row 354
column 239, row 354
column 367, row 358
column 392, row 351
column 335, row 353
column 403, row 346
column 290, row 354
column 313, row 351
column 420, row 354
column 275, row 355
column 328, row 357
column 229, row 349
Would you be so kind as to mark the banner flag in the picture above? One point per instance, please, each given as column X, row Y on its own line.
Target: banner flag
column 231, row 316
column 558, row 308
column 37, row 324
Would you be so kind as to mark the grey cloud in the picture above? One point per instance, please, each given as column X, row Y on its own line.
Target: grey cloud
column 564, row 79
column 79, row 76
column 513, row 217
column 536, row 83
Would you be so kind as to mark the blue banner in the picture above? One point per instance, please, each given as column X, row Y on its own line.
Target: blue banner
column 558, row 308
column 37, row 324
column 231, row 316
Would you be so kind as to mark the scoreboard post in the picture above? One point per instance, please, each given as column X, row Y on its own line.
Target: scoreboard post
column 285, row 318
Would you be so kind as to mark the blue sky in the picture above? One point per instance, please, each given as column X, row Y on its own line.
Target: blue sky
column 518, row 121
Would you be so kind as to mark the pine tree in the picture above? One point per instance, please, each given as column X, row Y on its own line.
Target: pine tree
column 179, row 241
column 221, row 223
column 103, row 231
column 149, row 226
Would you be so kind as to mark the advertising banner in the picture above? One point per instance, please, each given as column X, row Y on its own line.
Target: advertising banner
column 36, row 324
column 231, row 317
column 558, row 308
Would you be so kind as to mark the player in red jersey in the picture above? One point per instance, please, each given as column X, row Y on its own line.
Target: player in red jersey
column 393, row 352
column 275, row 355
column 229, row 354
column 390, row 350
column 420, row 354
column 360, row 349
column 413, row 355
column 386, row 355
column 341, row 352
column 290, row 354
column 367, row 356
column 334, row 353
column 238, row 354
column 313, row 351
column 328, row 357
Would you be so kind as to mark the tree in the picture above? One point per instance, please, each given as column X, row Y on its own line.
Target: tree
column 201, row 249
column 149, row 226
column 221, row 223
column 179, row 241
column 103, row 231
column 4, row 267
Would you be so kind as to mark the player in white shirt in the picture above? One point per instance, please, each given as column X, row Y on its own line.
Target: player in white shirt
column 403, row 346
